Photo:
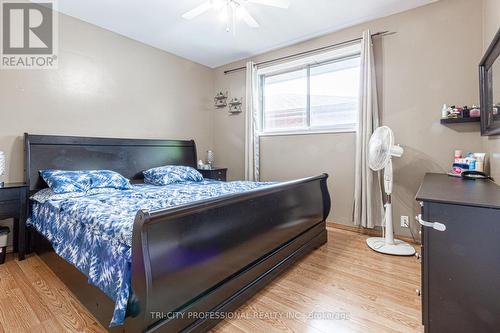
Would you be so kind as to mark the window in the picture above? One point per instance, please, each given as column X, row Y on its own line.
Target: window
column 311, row 97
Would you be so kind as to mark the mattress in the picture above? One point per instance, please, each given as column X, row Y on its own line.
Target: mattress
column 93, row 231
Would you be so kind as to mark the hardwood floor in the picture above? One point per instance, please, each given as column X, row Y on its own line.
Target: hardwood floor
column 341, row 287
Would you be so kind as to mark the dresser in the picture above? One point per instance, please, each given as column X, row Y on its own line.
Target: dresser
column 460, row 254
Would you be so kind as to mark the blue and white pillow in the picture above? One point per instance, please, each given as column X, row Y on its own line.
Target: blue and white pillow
column 108, row 179
column 62, row 181
column 171, row 174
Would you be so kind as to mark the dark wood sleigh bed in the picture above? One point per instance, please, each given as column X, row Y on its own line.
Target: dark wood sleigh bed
column 251, row 236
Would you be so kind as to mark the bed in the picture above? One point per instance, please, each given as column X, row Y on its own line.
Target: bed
column 186, row 258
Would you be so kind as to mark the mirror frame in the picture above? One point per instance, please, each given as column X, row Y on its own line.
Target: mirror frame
column 486, row 89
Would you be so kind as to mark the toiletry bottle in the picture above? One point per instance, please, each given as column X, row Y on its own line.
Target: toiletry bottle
column 444, row 111
column 480, row 161
column 472, row 164
column 465, row 112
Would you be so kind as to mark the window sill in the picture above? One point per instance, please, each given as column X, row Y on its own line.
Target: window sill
column 306, row 132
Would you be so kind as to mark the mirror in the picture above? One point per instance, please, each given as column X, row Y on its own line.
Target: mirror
column 489, row 80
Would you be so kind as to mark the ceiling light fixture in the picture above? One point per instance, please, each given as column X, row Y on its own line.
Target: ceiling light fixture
column 232, row 10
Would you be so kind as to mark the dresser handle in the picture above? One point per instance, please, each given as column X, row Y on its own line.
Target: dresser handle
column 435, row 225
column 417, row 291
column 417, row 255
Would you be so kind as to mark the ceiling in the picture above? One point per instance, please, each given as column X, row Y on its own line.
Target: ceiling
column 204, row 39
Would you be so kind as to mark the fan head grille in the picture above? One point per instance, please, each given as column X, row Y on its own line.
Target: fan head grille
column 379, row 148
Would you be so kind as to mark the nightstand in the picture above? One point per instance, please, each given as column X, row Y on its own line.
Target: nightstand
column 13, row 201
column 214, row 173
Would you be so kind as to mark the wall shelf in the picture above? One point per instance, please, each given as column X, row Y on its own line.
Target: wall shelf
column 460, row 120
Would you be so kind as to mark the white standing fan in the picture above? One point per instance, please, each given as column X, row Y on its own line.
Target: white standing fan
column 381, row 149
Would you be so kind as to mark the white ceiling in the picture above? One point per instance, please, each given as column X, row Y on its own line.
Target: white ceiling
column 204, row 39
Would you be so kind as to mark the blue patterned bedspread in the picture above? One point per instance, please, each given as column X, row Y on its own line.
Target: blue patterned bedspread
column 94, row 231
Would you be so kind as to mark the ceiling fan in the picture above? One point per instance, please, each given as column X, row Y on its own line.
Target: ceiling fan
column 233, row 9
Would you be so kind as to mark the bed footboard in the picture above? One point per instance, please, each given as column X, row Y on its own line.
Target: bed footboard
column 212, row 255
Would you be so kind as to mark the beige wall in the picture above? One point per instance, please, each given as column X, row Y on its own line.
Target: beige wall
column 431, row 59
column 491, row 24
column 106, row 85
column 491, row 21
column 109, row 85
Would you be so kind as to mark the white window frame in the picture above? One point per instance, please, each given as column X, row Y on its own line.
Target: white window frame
column 339, row 54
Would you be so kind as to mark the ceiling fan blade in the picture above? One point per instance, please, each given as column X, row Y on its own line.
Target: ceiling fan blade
column 207, row 5
column 274, row 3
column 245, row 15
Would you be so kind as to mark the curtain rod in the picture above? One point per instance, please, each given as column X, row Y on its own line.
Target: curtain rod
column 381, row 33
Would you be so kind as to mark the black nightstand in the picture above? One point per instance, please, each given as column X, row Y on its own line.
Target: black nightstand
column 214, row 173
column 13, row 197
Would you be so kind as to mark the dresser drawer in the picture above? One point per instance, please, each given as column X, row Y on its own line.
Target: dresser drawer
column 9, row 208
column 10, row 194
column 215, row 174
column 219, row 175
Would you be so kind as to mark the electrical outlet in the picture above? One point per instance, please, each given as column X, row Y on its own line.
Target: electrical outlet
column 405, row 221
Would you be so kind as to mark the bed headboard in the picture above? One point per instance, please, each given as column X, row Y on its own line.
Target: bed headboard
column 129, row 157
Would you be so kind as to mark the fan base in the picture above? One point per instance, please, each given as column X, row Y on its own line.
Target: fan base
column 399, row 248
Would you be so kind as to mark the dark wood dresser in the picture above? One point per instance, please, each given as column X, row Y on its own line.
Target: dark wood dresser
column 460, row 254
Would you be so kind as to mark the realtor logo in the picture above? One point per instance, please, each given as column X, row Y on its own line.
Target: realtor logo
column 28, row 35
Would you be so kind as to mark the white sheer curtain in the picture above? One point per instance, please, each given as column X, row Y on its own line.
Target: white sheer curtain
column 251, row 125
column 368, row 205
